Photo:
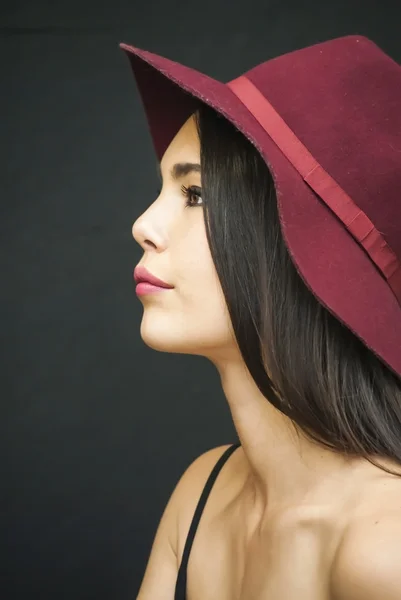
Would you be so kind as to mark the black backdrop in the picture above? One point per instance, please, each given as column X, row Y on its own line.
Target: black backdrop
column 96, row 428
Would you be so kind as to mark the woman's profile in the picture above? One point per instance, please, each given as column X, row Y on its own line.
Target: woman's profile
column 275, row 241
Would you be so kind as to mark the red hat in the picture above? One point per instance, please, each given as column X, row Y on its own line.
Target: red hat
column 327, row 121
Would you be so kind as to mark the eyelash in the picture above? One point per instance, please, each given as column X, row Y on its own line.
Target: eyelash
column 192, row 190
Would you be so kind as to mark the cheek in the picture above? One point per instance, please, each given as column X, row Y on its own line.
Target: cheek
column 198, row 281
column 202, row 309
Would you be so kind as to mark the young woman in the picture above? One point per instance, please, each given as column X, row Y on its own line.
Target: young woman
column 277, row 239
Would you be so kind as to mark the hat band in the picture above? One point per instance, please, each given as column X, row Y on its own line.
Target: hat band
column 354, row 219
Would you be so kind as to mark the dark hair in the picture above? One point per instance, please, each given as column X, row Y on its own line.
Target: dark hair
column 322, row 376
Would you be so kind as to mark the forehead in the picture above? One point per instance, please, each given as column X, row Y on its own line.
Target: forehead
column 184, row 147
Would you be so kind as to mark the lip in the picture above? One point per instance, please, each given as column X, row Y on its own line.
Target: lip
column 142, row 275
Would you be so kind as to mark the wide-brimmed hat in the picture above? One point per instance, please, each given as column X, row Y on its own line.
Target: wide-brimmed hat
column 327, row 121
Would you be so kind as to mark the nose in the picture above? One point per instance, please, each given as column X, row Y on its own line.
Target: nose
column 137, row 231
column 147, row 234
column 141, row 235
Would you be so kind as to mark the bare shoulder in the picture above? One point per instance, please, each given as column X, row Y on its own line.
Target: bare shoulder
column 368, row 562
column 191, row 485
column 162, row 567
column 194, row 477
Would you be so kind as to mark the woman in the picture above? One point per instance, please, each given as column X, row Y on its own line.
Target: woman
column 277, row 232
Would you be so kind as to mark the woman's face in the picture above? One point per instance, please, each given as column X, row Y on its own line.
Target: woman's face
column 192, row 317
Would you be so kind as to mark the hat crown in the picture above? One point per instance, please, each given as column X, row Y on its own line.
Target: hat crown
column 342, row 99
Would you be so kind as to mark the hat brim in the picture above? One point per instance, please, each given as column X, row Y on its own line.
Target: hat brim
column 333, row 266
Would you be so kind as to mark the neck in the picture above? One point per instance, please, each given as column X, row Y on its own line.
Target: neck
column 288, row 471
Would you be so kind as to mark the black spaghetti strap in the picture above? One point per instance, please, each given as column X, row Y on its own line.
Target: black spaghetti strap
column 181, row 585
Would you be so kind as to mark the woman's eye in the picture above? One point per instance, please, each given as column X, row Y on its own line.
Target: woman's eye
column 192, row 192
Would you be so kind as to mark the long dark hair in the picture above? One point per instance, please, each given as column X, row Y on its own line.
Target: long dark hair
column 321, row 375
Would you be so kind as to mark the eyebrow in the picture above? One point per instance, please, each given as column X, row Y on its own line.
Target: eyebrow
column 179, row 170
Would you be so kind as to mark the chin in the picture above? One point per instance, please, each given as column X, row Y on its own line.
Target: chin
column 167, row 334
column 163, row 339
column 166, row 341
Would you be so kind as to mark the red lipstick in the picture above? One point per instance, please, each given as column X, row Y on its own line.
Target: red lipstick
column 148, row 283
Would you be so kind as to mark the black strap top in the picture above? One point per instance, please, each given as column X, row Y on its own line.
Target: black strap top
column 181, row 585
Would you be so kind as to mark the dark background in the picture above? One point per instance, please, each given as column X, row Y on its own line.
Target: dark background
column 97, row 428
